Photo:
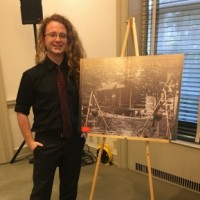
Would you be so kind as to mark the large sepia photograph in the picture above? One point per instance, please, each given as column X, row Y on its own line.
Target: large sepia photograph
column 131, row 96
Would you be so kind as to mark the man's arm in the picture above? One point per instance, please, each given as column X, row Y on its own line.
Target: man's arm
column 25, row 128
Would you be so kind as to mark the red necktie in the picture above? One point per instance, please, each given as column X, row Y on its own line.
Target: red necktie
column 64, row 106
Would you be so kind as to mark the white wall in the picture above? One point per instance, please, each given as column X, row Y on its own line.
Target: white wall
column 95, row 21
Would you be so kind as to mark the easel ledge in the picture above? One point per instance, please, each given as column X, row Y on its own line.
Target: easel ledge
column 130, row 138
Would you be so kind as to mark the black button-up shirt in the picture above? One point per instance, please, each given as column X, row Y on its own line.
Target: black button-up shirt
column 38, row 89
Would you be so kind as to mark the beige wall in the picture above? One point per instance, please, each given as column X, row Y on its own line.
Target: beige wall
column 94, row 20
column 5, row 136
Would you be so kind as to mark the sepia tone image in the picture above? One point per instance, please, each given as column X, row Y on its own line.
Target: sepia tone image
column 131, row 96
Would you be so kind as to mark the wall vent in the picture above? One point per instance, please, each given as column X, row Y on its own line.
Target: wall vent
column 191, row 185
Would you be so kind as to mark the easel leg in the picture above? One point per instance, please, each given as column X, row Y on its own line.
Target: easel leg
column 149, row 170
column 97, row 168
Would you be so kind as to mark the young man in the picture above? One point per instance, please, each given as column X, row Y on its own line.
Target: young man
column 59, row 50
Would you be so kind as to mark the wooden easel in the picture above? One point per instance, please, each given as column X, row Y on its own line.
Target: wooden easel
column 197, row 139
column 131, row 26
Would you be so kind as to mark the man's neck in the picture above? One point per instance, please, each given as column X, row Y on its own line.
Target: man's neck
column 56, row 58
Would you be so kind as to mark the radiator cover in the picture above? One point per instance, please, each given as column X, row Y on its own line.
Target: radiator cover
column 188, row 184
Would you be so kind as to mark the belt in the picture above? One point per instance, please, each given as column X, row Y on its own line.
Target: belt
column 49, row 134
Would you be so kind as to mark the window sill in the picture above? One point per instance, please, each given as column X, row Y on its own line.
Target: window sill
column 187, row 144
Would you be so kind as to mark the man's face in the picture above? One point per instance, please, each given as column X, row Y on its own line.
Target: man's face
column 55, row 38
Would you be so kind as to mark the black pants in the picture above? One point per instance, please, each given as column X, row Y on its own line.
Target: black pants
column 56, row 152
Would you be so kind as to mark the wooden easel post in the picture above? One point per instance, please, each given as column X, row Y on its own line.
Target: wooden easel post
column 97, row 168
column 197, row 139
column 131, row 26
column 101, row 145
column 149, row 169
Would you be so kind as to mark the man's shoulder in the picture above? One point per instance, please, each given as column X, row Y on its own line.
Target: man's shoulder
column 34, row 69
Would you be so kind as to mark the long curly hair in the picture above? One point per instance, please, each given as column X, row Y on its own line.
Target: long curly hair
column 74, row 49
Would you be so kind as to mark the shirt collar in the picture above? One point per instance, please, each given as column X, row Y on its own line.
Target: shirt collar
column 51, row 65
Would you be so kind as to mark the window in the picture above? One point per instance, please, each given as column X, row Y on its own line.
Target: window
column 177, row 30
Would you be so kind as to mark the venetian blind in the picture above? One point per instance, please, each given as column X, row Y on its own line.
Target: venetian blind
column 178, row 31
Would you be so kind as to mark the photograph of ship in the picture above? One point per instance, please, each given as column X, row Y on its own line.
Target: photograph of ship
column 131, row 96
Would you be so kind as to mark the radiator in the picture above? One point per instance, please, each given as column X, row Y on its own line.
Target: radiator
column 188, row 184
